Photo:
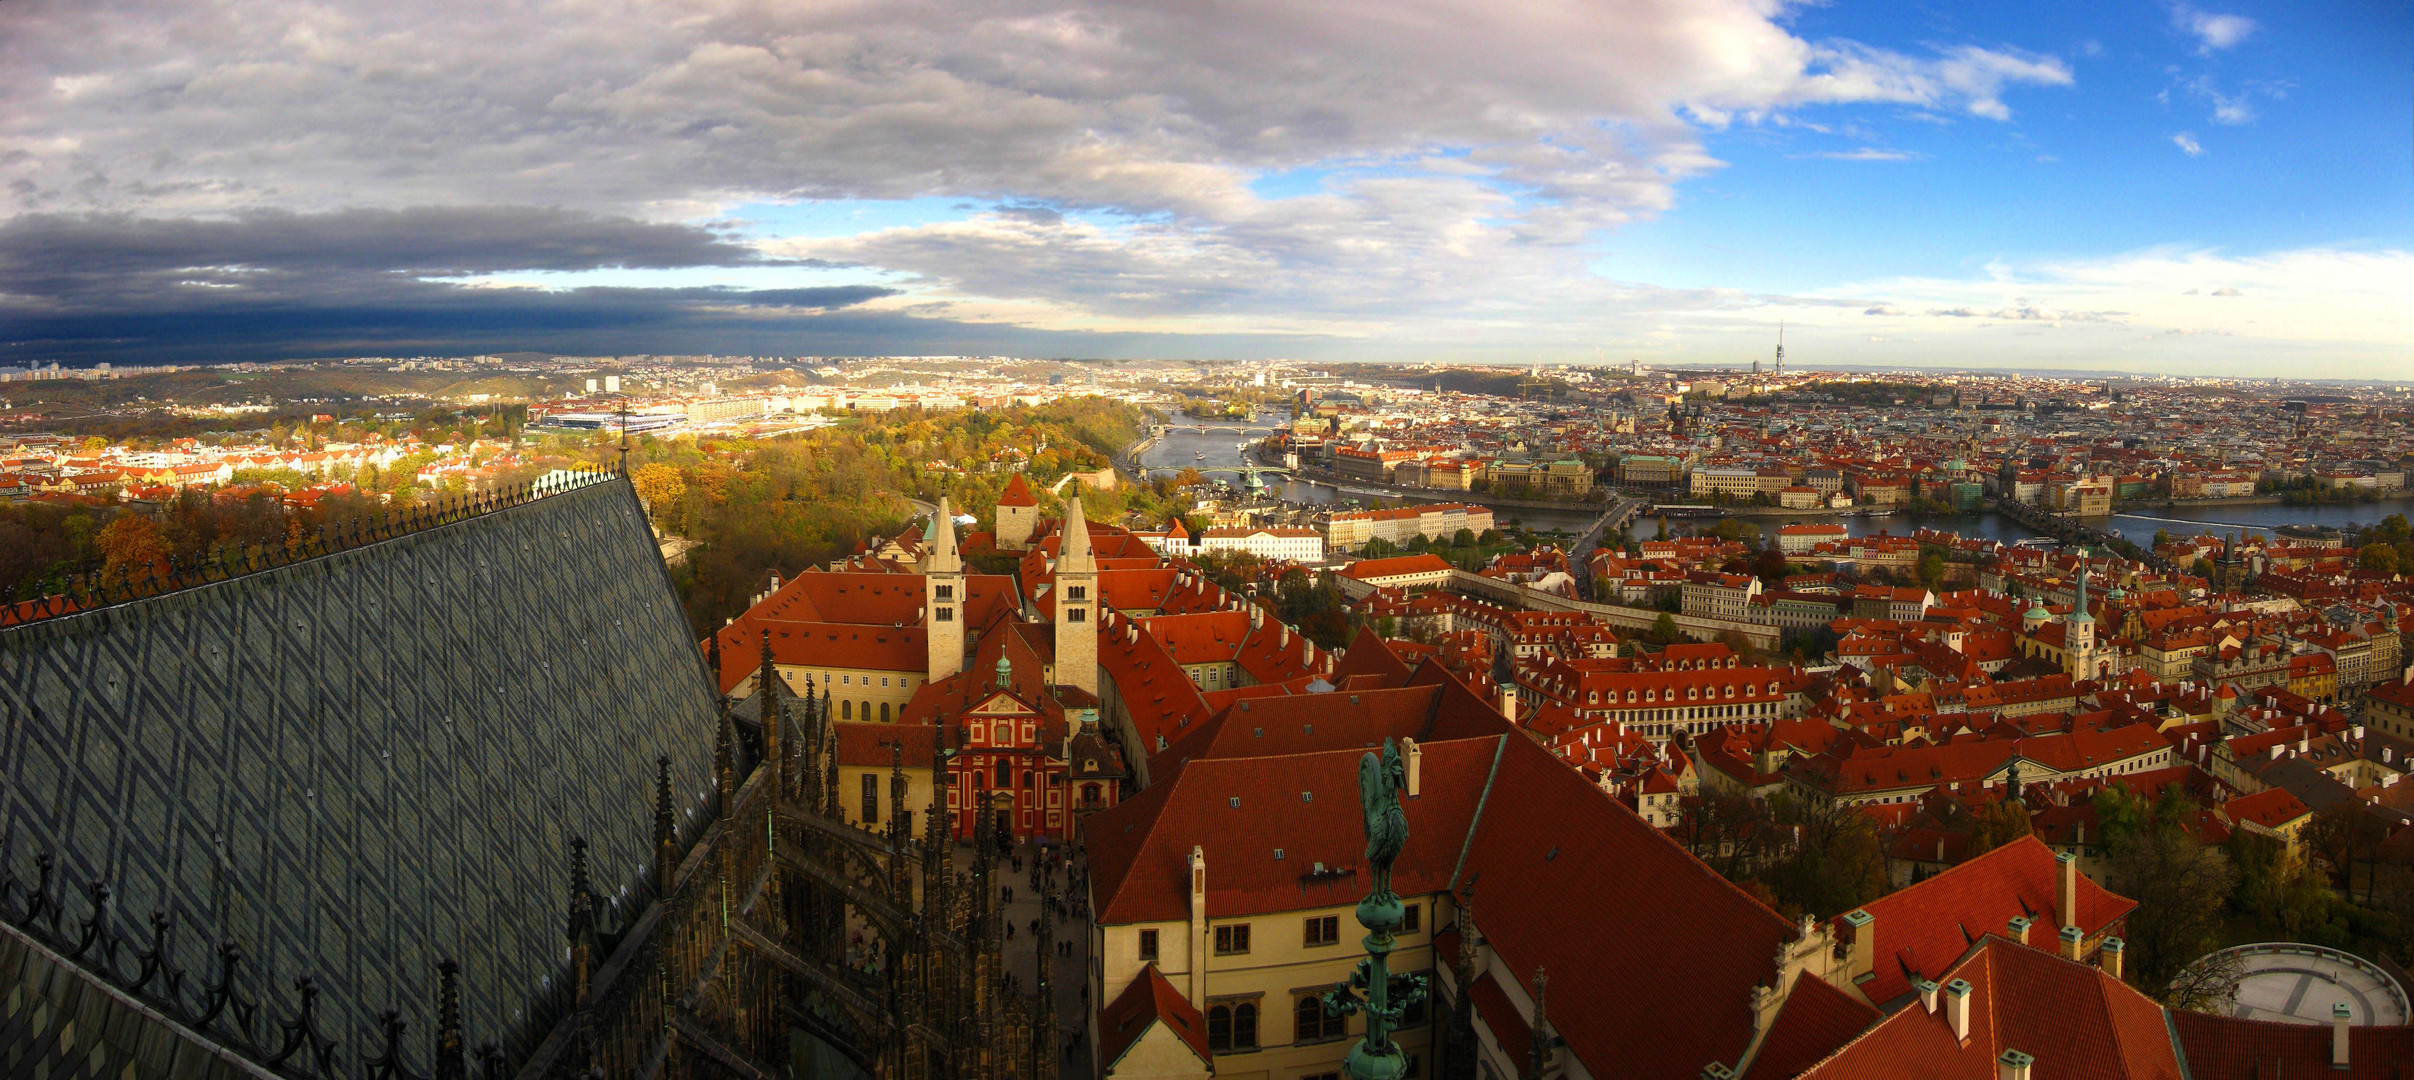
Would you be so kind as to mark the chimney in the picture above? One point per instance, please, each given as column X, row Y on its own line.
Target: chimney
column 2338, row 1035
column 2110, row 956
column 2068, row 912
column 1508, row 702
column 2013, row 1065
column 2073, row 939
column 1414, row 756
column 1957, row 1007
column 1198, row 926
column 1859, row 942
column 2020, row 925
column 1927, row 994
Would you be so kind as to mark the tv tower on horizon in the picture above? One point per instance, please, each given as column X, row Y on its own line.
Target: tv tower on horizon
column 1780, row 347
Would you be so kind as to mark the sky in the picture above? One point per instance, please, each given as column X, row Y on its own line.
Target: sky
column 2174, row 188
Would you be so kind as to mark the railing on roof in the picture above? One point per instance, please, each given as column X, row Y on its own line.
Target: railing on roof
column 91, row 588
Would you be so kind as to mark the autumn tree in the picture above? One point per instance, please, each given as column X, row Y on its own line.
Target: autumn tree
column 1994, row 824
column 2180, row 886
column 129, row 546
column 659, row 485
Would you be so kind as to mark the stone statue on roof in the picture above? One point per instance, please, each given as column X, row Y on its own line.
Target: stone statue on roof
column 1379, row 784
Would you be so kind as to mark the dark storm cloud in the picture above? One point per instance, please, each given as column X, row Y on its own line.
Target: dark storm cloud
column 114, row 287
column 437, row 240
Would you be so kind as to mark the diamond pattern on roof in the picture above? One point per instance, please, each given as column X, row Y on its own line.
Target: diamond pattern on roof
column 359, row 765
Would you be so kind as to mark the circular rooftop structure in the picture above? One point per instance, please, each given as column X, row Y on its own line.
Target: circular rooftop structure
column 2298, row 984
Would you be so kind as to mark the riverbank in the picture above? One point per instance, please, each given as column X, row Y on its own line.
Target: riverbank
column 1479, row 498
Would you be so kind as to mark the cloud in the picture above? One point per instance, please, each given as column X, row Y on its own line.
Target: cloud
column 2212, row 32
column 1883, row 309
column 2326, row 310
column 1872, row 153
column 268, row 284
column 657, row 109
column 1966, row 77
column 2187, row 144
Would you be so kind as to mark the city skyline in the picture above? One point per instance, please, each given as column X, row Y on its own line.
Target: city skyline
column 2158, row 188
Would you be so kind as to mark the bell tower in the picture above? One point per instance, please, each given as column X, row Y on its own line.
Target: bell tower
column 1076, row 600
column 943, row 595
column 2079, row 641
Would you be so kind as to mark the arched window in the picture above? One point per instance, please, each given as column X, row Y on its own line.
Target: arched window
column 884, row 712
column 846, row 710
column 1030, row 778
column 1004, row 779
column 1219, row 1028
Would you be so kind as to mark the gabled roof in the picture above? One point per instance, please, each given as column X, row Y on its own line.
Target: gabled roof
column 826, row 645
column 1369, row 655
column 1243, row 811
column 1652, row 956
column 2075, row 1020
column 1815, row 1019
column 1148, row 1001
column 1337, row 720
column 1923, row 928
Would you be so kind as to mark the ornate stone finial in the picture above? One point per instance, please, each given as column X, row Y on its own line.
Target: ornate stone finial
column 666, row 828
column 582, row 899
column 1538, row 1049
column 725, row 760
column 712, row 659
column 449, row 1063
column 582, row 920
column 774, row 715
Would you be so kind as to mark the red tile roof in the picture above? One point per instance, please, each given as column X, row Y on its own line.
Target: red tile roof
column 2228, row 1048
column 1243, row 811
column 1148, row 1001
column 832, row 646
column 2076, row 1021
column 1923, row 928
column 1662, row 994
column 861, row 743
column 1815, row 1019
column 1500, row 1014
column 1370, row 569
column 2270, row 808
column 1017, row 493
column 1341, row 719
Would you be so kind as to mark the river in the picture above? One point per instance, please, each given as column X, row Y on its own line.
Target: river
column 1184, row 445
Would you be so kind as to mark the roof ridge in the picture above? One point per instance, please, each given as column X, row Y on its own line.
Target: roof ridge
column 1475, row 821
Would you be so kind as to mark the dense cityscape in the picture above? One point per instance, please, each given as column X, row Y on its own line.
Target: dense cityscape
column 1869, row 673
column 1075, row 540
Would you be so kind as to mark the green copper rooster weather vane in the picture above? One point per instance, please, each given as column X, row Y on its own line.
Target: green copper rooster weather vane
column 1369, row 989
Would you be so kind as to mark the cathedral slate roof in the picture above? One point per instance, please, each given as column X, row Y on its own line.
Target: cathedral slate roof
column 359, row 765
